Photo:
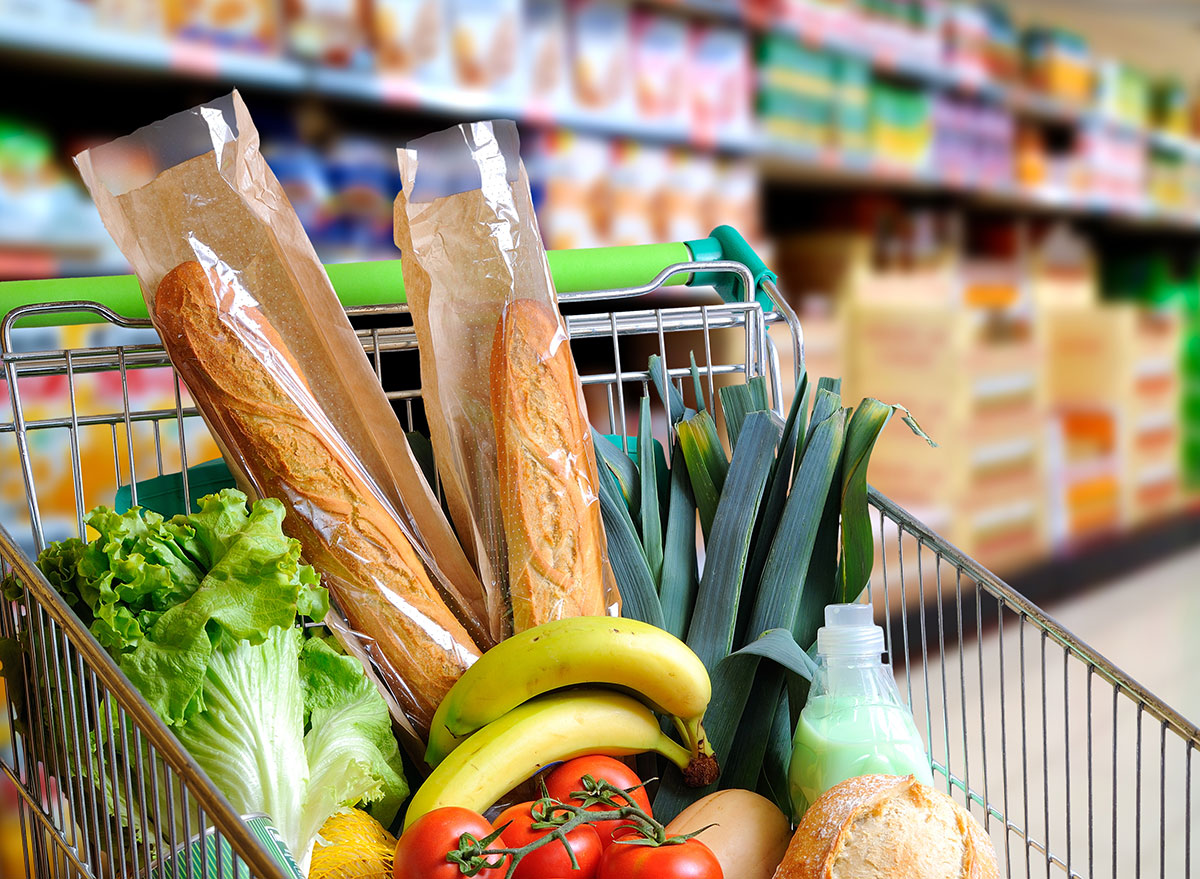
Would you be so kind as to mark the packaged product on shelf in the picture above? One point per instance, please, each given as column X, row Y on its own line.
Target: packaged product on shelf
column 637, row 173
column 409, row 39
column 243, row 24
column 721, row 83
column 484, row 37
column 1122, row 93
column 680, row 198
column 851, row 115
column 1112, row 164
column 1001, row 57
column 901, row 125
column 660, row 49
column 797, row 96
column 546, row 54
column 602, row 58
column 1059, row 62
column 130, row 16
column 333, row 32
column 735, row 202
column 571, row 178
column 360, row 174
column 515, row 456
column 966, row 42
column 816, row 20
column 301, row 172
column 255, row 330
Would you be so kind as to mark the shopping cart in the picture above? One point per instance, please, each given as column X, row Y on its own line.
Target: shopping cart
column 1074, row 768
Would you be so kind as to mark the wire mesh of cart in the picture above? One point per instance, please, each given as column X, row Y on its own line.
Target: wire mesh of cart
column 1075, row 769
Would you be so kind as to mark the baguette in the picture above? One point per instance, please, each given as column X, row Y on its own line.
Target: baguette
column 253, row 392
column 888, row 827
column 549, row 499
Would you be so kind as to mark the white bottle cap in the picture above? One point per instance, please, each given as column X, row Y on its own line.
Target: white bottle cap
column 850, row 630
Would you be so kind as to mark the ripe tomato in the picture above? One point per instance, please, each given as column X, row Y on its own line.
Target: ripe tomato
column 552, row 858
column 691, row 859
column 421, row 851
column 568, row 778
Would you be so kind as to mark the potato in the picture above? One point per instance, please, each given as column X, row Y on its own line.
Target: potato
column 751, row 835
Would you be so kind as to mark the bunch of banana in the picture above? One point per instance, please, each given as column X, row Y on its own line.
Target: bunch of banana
column 509, row 714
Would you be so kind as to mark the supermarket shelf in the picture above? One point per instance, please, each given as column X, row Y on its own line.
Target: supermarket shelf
column 783, row 163
column 779, row 162
column 192, row 59
column 148, row 52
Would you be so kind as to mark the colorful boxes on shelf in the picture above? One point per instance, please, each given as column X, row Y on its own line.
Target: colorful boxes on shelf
column 969, row 374
column 1115, row 394
column 1059, row 63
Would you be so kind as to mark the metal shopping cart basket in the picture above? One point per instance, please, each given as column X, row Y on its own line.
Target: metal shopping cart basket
column 1074, row 768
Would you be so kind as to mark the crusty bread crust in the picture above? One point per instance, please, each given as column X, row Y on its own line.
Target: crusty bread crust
column 829, row 822
column 245, row 380
column 545, row 460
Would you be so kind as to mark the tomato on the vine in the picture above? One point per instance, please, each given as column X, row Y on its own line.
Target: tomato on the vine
column 567, row 778
column 552, row 858
column 690, row 859
column 422, row 849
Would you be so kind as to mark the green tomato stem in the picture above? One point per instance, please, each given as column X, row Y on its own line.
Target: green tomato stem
column 473, row 856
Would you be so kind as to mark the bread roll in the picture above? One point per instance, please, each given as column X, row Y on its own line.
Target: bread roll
column 253, row 393
column 888, row 827
column 549, row 499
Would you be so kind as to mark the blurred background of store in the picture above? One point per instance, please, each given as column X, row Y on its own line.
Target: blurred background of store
column 987, row 212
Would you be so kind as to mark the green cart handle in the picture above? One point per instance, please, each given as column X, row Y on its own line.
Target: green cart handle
column 380, row 282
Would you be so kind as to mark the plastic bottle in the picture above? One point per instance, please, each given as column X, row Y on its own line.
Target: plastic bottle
column 854, row 722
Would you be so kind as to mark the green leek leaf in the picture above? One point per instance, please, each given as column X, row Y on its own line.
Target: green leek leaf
column 711, row 631
column 706, row 464
column 678, row 585
column 639, row 597
column 779, row 596
column 667, row 392
column 652, row 536
column 780, row 647
column 750, row 744
column 769, row 514
column 773, row 782
column 612, row 456
column 858, row 542
column 699, row 391
column 738, row 401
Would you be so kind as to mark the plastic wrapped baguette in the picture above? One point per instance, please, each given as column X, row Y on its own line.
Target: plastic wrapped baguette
column 345, row 531
column 255, row 330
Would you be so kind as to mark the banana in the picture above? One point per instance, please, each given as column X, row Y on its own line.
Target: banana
column 645, row 660
column 545, row 730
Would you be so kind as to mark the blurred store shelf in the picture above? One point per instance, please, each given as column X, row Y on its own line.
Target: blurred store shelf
column 887, row 50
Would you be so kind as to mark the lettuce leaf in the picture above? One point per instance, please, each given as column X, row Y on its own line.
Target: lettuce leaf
column 250, row 736
column 201, row 614
column 252, row 588
column 352, row 754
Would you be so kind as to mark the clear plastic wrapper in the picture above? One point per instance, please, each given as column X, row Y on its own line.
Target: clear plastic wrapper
column 506, row 412
column 255, row 330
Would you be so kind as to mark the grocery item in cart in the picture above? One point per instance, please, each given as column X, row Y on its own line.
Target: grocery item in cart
column 516, row 459
column 853, row 722
column 213, row 619
column 255, row 330
column 887, row 826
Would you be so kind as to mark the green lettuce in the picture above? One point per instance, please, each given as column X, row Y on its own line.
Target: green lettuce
column 205, row 614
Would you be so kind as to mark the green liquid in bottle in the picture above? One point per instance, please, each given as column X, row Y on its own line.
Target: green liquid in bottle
column 840, row 737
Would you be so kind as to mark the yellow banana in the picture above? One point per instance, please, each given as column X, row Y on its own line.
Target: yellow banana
column 545, row 730
column 645, row 660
